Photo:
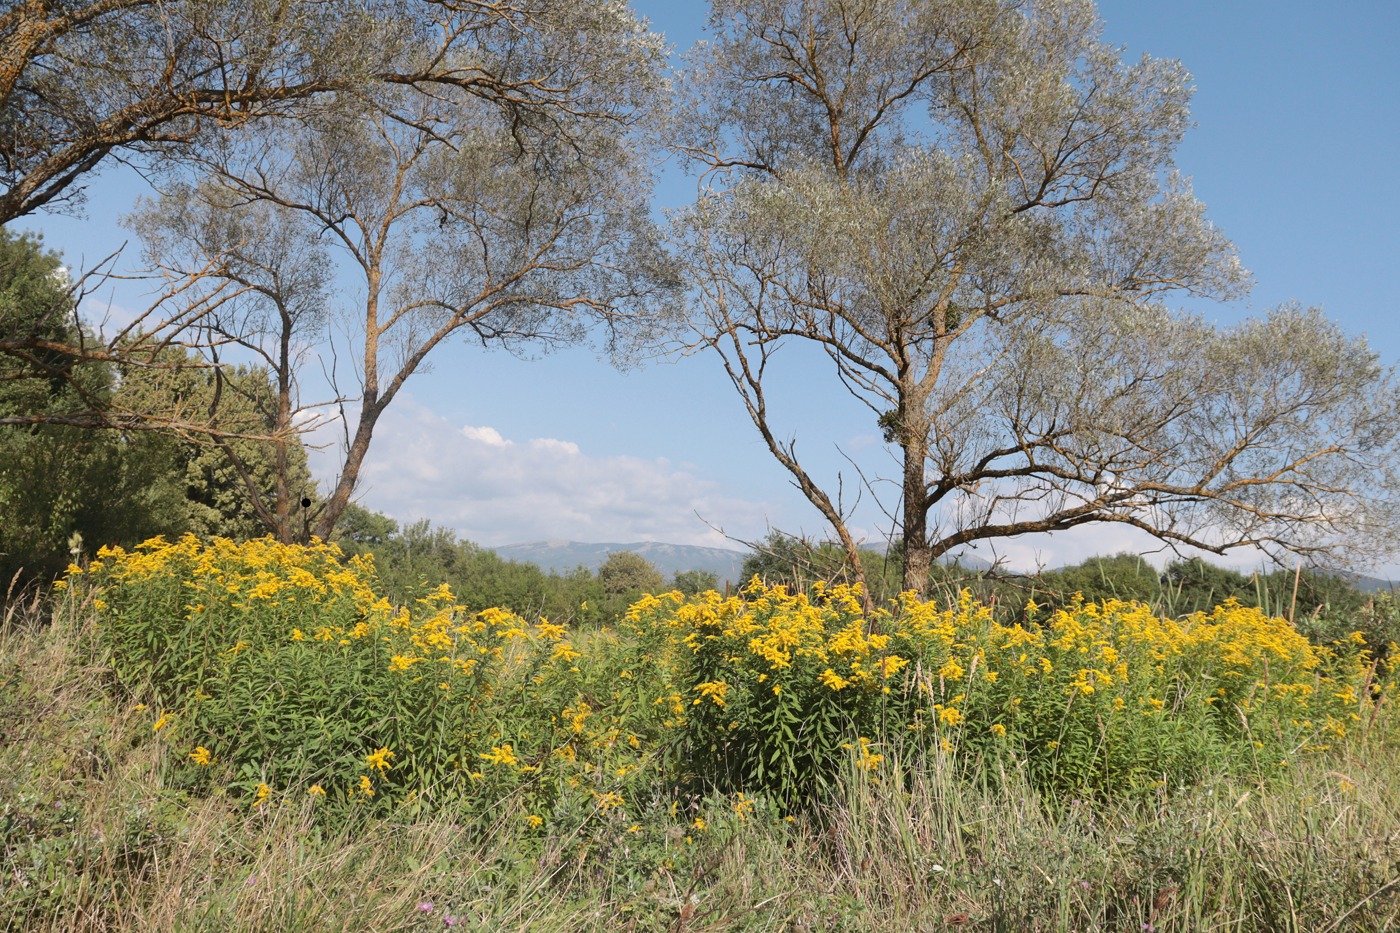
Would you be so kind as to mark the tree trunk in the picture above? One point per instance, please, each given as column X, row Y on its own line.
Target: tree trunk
column 918, row 556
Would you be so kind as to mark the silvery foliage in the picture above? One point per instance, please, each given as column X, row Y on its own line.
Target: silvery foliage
column 971, row 207
column 514, row 215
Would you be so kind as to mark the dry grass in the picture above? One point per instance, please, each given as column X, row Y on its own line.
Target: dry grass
column 93, row 838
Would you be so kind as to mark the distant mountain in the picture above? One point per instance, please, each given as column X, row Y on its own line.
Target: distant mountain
column 563, row 556
column 1371, row 584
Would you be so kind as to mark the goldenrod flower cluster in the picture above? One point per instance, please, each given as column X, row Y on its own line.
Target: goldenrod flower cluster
column 785, row 686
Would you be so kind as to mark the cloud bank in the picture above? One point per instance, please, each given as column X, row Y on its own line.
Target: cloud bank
column 495, row 490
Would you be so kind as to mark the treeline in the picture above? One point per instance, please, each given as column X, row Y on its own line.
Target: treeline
column 414, row 559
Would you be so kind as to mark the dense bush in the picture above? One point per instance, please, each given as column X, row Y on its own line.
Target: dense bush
column 1105, row 697
column 277, row 671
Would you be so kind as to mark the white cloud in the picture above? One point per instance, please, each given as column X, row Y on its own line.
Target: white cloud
column 496, row 490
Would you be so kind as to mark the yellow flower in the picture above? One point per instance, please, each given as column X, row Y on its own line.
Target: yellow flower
column 699, row 823
column 535, row 821
column 834, row 680
column 998, row 730
column 162, row 722
column 502, row 755
column 379, row 759
column 316, row 790
column 263, row 793
column 298, row 635
column 716, row 690
column 366, row 786
column 201, row 756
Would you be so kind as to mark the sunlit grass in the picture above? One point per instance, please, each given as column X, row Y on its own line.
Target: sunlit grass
column 593, row 813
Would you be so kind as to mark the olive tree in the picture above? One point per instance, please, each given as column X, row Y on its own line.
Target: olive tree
column 971, row 208
column 381, row 224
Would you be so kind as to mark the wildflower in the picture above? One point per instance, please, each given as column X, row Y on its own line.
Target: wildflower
column 201, row 756
column 716, row 690
column 162, row 722
column 535, row 821
column 379, row 760
column 366, row 785
column 316, row 790
column 263, row 793
column 425, row 906
column 699, row 823
column 998, row 730
column 834, row 680
column 502, row 755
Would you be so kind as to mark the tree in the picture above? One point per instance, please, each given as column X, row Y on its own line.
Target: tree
column 240, row 478
column 62, row 490
column 83, row 81
column 89, row 81
column 971, row 209
column 627, row 573
column 455, row 217
column 693, row 582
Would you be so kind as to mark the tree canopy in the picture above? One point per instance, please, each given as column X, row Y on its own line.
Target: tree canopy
column 972, row 210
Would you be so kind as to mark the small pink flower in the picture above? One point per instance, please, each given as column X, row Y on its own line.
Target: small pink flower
column 425, row 906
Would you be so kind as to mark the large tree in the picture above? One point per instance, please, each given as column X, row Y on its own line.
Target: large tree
column 971, row 208
column 153, row 82
column 384, row 223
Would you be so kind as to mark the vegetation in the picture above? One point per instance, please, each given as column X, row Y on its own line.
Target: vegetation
column 971, row 214
column 65, row 489
column 348, row 725
column 249, row 735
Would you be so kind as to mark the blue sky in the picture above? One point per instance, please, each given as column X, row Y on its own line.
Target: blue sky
column 1298, row 122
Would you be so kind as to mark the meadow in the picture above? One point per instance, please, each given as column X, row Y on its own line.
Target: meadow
column 210, row 735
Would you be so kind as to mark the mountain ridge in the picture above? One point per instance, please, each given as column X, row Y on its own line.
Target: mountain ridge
column 558, row 556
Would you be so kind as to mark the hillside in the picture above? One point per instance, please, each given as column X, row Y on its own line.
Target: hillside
column 563, row 556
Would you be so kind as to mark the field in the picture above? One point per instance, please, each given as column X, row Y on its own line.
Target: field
column 249, row 737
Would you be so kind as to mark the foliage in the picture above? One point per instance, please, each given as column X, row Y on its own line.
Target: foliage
column 233, row 484
column 58, row 481
column 693, row 582
column 278, row 669
column 624, row 577
column 1099, row 697
column 970, row 212
column 99, row 830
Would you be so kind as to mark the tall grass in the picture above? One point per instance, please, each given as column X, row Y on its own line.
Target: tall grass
column 101, row 827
